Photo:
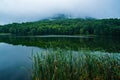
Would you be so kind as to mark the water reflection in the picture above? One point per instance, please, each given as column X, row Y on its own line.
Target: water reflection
column 15, row 51
column 15, row 62
column 108, row 44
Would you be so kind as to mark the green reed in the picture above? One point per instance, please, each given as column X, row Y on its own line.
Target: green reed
column 69, row 65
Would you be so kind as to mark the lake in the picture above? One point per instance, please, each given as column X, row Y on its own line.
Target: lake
column 15, row 52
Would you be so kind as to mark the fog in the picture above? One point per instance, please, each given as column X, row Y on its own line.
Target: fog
column 33, row 10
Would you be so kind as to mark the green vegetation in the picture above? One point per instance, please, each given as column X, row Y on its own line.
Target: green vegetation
column 107, row 44
column 65, row 27
column 70, row 65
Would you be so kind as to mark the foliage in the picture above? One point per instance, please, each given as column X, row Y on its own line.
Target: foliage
column 65, row 27
column 69, row 65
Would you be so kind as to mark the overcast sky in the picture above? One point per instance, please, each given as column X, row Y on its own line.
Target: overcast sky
column 32, row 10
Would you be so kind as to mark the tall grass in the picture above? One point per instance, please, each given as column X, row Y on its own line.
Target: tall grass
column 69, row 65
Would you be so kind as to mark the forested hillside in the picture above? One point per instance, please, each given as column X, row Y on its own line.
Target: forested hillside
column 65, row 27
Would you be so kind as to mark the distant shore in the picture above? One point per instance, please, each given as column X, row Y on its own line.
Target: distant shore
column 5, row 34
column 71, row 36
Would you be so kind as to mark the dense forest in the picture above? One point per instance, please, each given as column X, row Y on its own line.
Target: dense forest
column 65, row 26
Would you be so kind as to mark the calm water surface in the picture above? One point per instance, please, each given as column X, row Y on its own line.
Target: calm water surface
column 15, row 52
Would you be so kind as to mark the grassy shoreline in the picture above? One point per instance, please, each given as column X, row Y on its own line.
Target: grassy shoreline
column 68, row 65
column 4, row 34
column 60, row 36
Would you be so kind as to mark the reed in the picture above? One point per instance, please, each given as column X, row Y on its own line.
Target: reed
column 69, row 65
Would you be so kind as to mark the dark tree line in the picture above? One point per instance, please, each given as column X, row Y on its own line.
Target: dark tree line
column 65, row 27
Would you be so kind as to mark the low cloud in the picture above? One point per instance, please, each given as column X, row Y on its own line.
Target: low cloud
column 32, row 10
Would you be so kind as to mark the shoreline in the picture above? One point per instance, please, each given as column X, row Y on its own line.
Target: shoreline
column 67, row 36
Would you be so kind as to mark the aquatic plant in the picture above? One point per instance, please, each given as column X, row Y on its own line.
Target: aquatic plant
column 70, row 65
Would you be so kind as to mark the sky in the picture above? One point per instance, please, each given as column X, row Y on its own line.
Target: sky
column 32, row 10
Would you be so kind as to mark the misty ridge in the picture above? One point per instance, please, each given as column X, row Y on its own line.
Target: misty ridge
column 62, row 24
column 63, row 17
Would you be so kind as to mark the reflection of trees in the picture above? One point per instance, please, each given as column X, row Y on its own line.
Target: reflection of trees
column 106, row 44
